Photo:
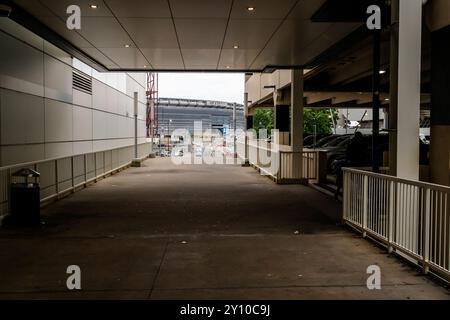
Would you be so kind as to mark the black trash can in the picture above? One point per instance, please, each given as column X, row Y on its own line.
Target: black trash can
column 25, row 199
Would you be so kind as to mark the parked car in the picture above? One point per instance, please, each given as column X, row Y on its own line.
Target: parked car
column 335, row 149
column 320, row 143
column 308, row 141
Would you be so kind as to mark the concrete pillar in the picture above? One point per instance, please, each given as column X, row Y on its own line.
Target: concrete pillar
column 234, row 131
column 281, row 116
column 297, row 104
column 248, row 125
column 135, row 125
column 408, row 88
column 392, row 119
column 440, row 107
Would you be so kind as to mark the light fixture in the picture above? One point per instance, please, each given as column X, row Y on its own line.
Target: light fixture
column 387, row 99
column 236, row 46
column 93, row 6
column 250, row 8
column 126, row 45
column 228, row 67
column 382, row 71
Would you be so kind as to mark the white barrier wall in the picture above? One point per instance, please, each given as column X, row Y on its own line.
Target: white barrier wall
column 44, row 117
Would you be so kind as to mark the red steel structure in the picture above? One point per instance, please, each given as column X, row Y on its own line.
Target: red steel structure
column 152, row 103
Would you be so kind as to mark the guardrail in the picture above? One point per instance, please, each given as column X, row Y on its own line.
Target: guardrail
column 61, row 176
column 409, row 217
column 280, row 165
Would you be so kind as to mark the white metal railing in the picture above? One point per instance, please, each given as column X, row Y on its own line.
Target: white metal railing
column 283, row 166
column 410, row 217
column 62, row 175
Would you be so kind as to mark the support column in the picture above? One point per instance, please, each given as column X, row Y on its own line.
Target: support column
column 393, row 99
column 136, row 162
column 408, row 88
column 234, row 131
column 135, row 125
column 297, row 104
column 440, row 107
column 281, row 117
column 248, row 126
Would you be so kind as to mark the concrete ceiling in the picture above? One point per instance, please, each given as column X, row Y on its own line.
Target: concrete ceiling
column 193, row 35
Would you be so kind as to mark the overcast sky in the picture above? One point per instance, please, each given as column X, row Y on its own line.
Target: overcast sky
column 228, row 87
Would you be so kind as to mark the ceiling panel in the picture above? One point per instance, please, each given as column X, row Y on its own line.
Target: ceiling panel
column 198, row 27
column 100, row 57
column 200, row 33
column 305, row 9
column 203, row 59
column 33, row 7
column 249, row 34
column 104, row 32
column 151, row 32
column 73, row 37
column 200, row 8
column 236, row 58
column 127, row 58
column 263, row 9
column 139, row 8
column 59, row 7
column 297, row 40
column 164, row 58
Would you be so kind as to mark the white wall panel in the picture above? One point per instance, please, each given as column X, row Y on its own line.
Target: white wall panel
column 81, row 147
column 99, row 92
column 24, row 111
column 58, row 149
column 42, row 116
column 58, row 80
column 112, row 100
column 82, row 123
column 21, row 67
column 58, row 121
column 82, row 99
column 99, row 125
column 22, row 153
column 57, row 53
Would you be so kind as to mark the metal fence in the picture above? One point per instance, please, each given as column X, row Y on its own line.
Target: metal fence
column 282, row 166
column 409, row 217
column 60, row 176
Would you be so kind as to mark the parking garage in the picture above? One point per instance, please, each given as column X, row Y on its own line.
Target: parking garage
column 74, row 109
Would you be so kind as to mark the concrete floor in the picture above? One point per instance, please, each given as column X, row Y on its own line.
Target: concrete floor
column 199, row 232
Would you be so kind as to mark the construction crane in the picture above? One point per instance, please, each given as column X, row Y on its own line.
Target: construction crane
column 152, row 104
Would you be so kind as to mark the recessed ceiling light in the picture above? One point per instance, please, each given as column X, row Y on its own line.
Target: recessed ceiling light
column 236, row 46
column 387, row 99
column 251, row 8
column 93, row 6
column 228, row 67
column 382, row 71
column 126, row 45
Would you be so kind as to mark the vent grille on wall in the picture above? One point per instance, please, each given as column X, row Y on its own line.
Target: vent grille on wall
column 82, row 82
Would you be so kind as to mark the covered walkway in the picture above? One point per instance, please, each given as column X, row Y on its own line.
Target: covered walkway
column 195, row 232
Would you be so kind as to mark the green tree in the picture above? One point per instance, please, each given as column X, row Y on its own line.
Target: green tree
column 321, row 118
column 263, row 119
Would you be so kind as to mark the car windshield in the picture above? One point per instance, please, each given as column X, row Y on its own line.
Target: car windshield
column 336, row 141
column 325, row 140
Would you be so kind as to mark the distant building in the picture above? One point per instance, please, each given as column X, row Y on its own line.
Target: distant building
column 182, row 113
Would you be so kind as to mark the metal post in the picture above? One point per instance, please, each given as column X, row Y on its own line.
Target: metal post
column 426, row 232
column 135, row 125
column 391, row 212
column 365, row 204
column 376, row 99
column 234, row 131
